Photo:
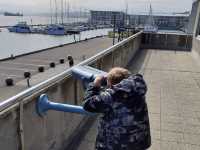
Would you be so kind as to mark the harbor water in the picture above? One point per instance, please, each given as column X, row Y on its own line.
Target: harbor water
column 18, row 44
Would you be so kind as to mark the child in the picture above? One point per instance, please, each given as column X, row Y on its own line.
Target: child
column 124, row 124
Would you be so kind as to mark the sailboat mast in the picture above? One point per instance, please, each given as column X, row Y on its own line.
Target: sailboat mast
column 56, row 12
column 125, row 18
column 65, row 12
column 80, row 15
column 68, row 8
column 126, row 23
column 151, row 19
column 51, row 11
column 61, row 11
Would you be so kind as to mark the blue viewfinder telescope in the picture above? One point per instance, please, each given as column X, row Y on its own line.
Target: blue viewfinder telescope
column 43, row 105
column 84, row 73
column 87, row 74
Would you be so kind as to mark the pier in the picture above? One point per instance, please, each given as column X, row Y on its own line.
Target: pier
column 16, row 67
column 67, row 29
column 170, row 64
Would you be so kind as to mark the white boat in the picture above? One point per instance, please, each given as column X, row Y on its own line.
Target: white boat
column 150, row 29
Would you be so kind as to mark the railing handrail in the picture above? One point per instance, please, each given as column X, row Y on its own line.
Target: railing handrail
column 26, row 93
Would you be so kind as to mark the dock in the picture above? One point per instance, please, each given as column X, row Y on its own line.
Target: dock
column 15, row 68
column 169, row 63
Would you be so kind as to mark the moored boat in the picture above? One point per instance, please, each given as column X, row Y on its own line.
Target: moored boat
column 12, row 14
column 21, row 27
column 150, row 29
column 54, row 29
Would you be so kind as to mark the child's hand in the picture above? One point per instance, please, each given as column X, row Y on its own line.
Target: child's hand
column 98, row 80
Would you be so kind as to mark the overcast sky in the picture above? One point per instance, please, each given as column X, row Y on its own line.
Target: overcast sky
column 33, row 6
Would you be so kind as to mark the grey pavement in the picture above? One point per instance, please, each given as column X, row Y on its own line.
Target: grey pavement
column 173, row 98
column 15, row 68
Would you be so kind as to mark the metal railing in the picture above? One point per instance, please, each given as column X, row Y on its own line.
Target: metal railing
column 168, row 41
column 57, row 130
column 19, row 97
column 18, row 115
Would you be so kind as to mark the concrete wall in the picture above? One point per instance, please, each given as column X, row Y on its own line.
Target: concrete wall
column 192, row 18
column 196, row 37
column 196, row 46
column 167, row 41
column 22, row 129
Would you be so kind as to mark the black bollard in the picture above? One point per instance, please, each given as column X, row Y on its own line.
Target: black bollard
column 27, row 75
column 9, row 82
column 41, row 69
column 52, row 65
column 69, row 57
column 71, row 63
column 71, row 60
column 62, row 61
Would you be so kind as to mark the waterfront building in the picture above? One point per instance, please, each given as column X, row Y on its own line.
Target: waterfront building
column 107, row 17
column 162, row 21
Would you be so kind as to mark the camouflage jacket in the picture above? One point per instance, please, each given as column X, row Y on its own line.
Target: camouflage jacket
column 124, row 124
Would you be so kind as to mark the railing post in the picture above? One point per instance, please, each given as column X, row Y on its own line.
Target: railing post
column 75, row 92
column 21, row 127
column 99, row 64
column 112, row 59
column 186, row 42
column 166, row 37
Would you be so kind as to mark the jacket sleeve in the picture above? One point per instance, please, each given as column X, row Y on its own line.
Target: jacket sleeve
column 140, row 87
column 97, row 101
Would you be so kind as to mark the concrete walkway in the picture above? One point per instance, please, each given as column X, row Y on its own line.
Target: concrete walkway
column 15, row 68
column 173, row 98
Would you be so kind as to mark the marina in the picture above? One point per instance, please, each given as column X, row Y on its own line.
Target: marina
column 53, row 49
column 17, row 44
column 55, row 29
